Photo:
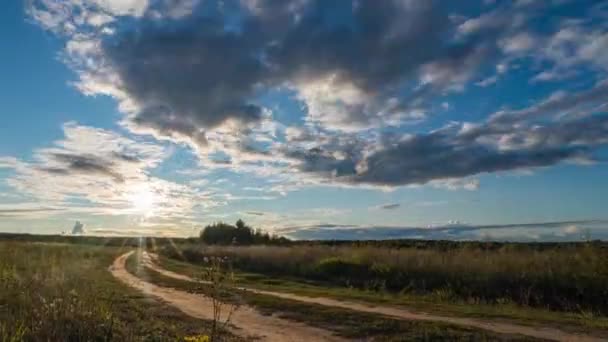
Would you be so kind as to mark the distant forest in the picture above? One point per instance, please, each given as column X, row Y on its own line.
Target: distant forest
column 239, row 234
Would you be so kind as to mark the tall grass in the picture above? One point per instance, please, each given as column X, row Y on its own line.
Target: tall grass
column 64, row 292
column 45, row 296
column 572, row 278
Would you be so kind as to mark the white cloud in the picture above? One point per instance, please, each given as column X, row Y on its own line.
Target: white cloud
column 572, row 47
column 571, row 229
column 487, row 81
column 337, row 104
column 560, row 103
column 99, row 19
column 521, row 42
column 98, row 172
column 9, row 162
column 456, row 184
column 134, row 8
column 483, row 22
column 595, row 49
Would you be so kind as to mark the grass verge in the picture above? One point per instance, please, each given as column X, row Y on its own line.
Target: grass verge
column 346, row 323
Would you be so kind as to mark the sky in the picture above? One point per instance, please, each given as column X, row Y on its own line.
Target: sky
column 310, row 119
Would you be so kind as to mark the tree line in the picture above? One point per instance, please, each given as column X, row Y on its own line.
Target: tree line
column 239, row 234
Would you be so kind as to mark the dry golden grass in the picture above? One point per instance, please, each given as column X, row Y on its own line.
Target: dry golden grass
column 567, row 278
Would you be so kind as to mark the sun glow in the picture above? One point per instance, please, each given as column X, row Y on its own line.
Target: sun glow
column 143, row 200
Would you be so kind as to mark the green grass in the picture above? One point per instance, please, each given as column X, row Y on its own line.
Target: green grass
column 567, row 278
column 436, row 303
column 346, row 323
column 54, row 291
column 64, row 292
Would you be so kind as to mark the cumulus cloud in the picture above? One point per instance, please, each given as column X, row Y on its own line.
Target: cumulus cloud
column 576, row 46
column 194, row 71
column 182, row 78
column 506, row 141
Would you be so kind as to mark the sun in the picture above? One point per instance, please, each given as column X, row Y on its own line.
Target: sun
column 143, row 200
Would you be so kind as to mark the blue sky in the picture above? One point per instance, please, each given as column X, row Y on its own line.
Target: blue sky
column 314, row 119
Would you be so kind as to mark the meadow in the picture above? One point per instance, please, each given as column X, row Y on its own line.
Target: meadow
column 56, row 288
column 64, row 292
column 561, row 277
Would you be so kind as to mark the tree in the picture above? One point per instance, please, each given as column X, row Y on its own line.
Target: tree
column 241, row 234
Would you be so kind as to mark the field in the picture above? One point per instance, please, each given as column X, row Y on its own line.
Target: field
column 566, row 278
column 64, row 292
column 57, row 288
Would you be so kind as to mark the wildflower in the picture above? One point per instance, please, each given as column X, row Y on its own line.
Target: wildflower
column 197, row 338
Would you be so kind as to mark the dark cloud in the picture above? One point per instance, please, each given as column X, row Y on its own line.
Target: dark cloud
column 187, row 77
column 75, row 163
column 510, row 140
column 389, row 206
column 424, row 158
column 126, row 157
column 54, row 170
column 373, row 46
column 457, row 152
column 191, row 75
column 255, row 213
column 319, row 161
column 107, row 164
column 13, row 212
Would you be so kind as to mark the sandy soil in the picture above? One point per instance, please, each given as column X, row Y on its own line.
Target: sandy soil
column 247, row 321
column 401, row 313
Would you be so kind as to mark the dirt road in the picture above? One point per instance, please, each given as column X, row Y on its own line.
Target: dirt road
column 247, row 321
column 400, row 313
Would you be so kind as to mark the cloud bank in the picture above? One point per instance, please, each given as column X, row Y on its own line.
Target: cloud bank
column 194, row 71
column 529, row 232
column 310, row 93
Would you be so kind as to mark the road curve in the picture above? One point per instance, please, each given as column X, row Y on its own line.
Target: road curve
column 247, row 321
column 400, row 313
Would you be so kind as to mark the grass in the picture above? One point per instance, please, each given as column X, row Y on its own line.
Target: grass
column 343, row 322
column 439, row 301
column 64, row 292
column 562, row 279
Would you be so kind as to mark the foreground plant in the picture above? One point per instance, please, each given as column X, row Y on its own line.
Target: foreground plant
column 223, row 293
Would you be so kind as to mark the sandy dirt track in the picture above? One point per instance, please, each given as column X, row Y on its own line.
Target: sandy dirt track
column 400, row 313
column 248, row 322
